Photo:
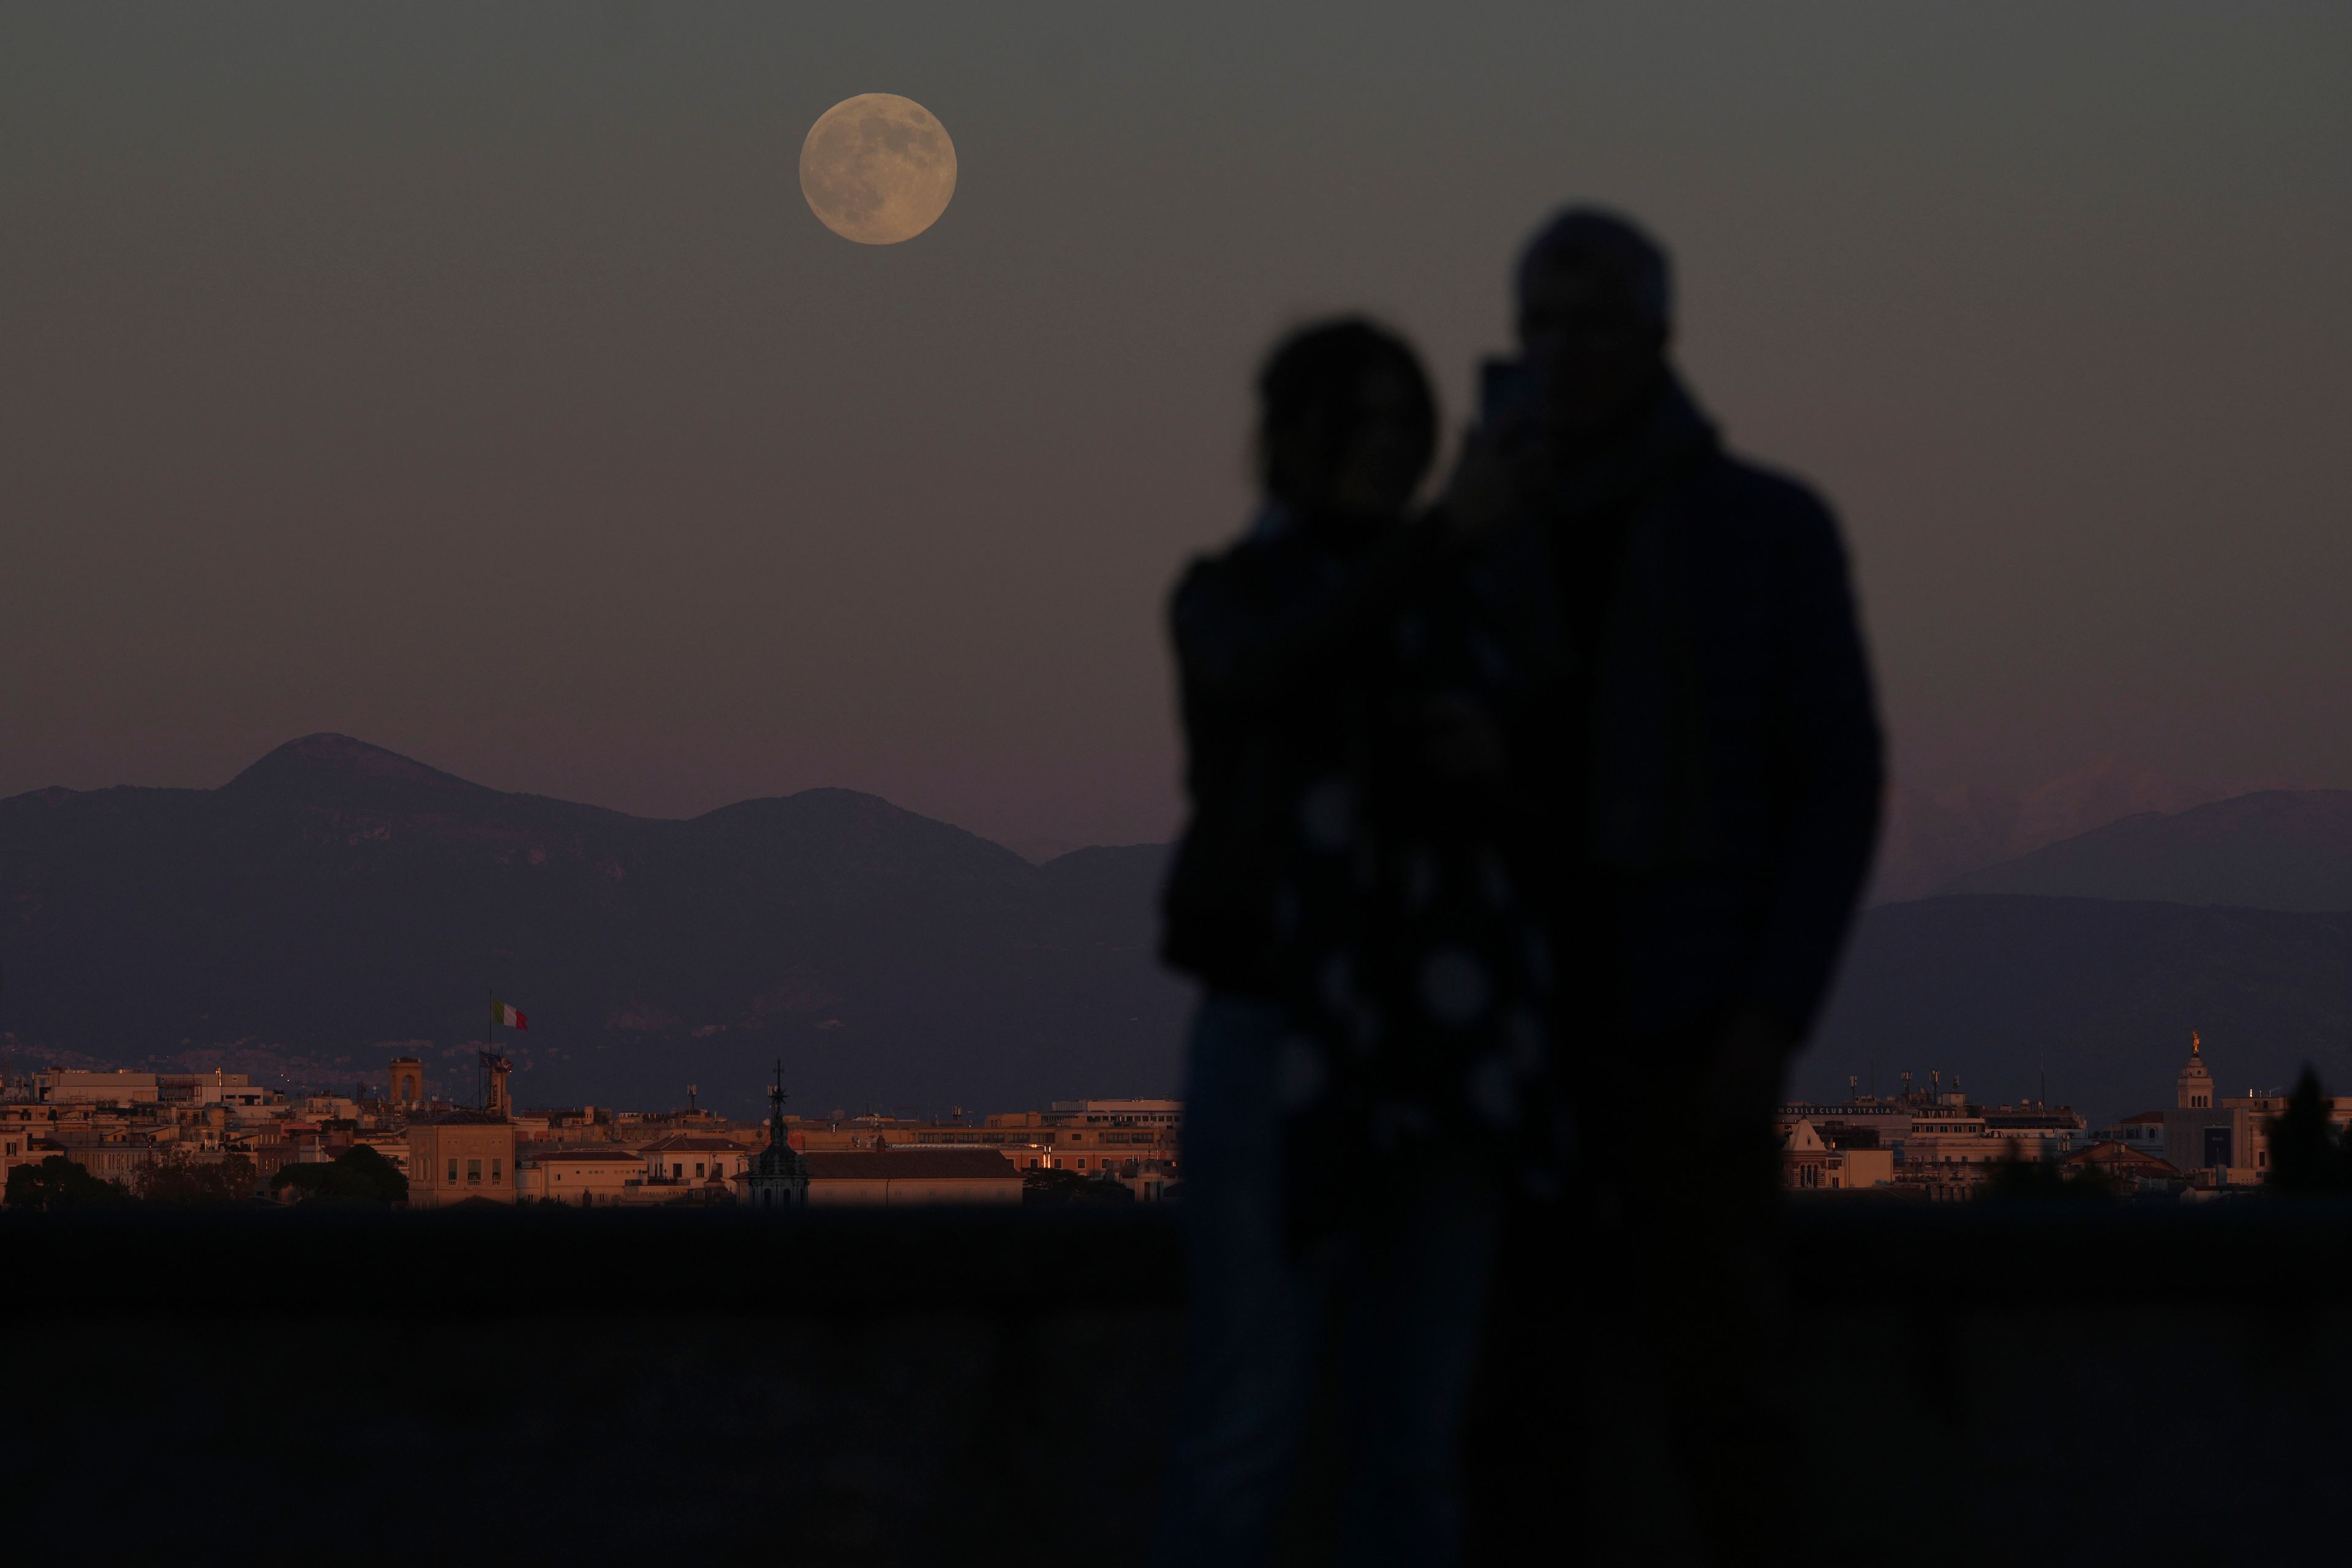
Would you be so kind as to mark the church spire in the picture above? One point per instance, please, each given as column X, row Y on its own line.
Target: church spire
column 779, row 1176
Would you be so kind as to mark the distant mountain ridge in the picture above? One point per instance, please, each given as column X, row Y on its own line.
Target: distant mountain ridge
column 1928, row 840
column 2093, row 956
column 2099, row 996
column 336, row 901
column 2277, row 849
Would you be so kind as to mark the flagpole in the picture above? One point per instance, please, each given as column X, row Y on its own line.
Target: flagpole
column 478, row 1104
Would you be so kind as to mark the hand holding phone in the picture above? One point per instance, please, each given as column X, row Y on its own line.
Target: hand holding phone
column 1484, row 490
column 1510, row 390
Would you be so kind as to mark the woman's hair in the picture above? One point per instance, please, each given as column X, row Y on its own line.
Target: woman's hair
column 1307, row 392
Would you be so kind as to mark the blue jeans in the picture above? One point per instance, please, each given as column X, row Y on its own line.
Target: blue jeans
column 1405, row 1290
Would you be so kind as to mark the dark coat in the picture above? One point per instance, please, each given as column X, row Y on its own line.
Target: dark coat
column 1732, row 769
column 1714, row 768
column 1276, row 638
column 1388, row 901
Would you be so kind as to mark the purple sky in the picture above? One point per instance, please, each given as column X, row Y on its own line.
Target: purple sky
column 473, row 379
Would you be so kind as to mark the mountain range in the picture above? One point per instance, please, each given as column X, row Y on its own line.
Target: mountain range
column 2277, row 849
column 1928, row 839
column 335, row 904
column 2085, row 962
column 2093, row 999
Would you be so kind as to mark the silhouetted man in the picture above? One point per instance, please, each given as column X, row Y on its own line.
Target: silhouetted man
column 1715, row 766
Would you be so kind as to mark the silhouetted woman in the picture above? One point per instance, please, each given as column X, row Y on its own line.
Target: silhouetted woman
column 1370, row 1062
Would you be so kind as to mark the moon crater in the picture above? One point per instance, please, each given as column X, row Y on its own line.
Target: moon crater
column 878, row 168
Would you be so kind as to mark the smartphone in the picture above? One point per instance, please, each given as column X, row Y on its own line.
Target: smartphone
column 1508, row 389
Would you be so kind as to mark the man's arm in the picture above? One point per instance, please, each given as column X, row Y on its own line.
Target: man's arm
column 1831, row 771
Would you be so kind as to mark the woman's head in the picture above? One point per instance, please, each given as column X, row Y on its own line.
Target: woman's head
column 1347, row 422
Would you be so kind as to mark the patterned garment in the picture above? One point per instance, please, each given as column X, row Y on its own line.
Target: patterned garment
column 1426, row 1008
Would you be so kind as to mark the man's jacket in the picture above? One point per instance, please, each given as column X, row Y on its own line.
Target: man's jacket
column 1723, row 726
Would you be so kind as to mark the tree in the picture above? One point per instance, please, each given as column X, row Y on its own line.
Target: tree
column 359, row 1176
column 2306, row 1156
column 2019, row 1178
column 1044, row 1186
column 183, row 1179
column 58, row 1183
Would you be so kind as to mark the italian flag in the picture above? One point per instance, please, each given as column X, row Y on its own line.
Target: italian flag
column 504, row 1013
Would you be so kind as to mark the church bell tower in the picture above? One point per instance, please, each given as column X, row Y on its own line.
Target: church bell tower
column 2195, row 1084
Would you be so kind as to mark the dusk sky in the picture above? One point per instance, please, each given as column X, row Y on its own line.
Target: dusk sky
column 473, row 379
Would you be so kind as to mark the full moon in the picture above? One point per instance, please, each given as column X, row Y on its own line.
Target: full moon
column 878, row 168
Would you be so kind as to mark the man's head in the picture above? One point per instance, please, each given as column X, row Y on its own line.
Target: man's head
column 1595, row 314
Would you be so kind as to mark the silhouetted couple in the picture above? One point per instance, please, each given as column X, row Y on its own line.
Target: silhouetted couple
column 1525, row 830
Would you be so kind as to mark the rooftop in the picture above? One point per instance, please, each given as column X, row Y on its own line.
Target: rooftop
column 906, row 1164
column 2114, row 1156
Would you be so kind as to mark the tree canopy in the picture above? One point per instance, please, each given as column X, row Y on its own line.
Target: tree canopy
column 359, row 1174
column 2015, row 1177
column 58, row 1183
column 2306, row 1154
column 186, row 1180
column 1044, row 1187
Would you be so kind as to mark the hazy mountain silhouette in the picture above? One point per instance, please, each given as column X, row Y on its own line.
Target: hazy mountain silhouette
column 335, row 899
column 2278, row 849
column 1928, row 840
column 2224, row 917
column 2100, row 995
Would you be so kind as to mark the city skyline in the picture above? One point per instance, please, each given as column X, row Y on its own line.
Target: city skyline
column 162, row 1135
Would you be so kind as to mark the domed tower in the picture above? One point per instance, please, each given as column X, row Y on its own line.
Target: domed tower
column 2195, row 1085
column 778, row 1178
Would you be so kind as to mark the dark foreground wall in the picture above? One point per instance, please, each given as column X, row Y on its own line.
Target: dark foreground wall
column 911, row 1387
